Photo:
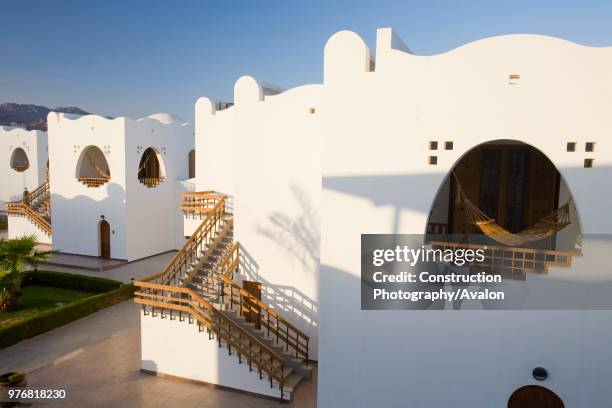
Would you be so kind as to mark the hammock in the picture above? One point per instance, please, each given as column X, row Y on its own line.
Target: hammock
column 101, row 172
column 544, row 227
column 146, row 160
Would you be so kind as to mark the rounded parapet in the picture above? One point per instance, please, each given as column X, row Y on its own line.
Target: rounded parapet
column 345, row 54
column 247, row 89
column 204, row 106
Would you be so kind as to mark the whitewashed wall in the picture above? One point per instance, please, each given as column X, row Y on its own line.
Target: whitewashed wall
column 143, row 221
column 19, row 226
column 34, row 143
column 179, row 349
column 153, row 216
column 266, row 152
column 377, row 125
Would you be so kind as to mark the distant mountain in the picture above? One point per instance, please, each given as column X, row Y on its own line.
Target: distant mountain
column 30, row 116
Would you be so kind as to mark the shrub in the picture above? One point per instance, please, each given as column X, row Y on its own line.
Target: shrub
column 71, row 281
column 52, row 318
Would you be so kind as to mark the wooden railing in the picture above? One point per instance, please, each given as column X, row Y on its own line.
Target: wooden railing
column 20, row 208
column 93, row 181
column 38, row 195
column 25, row 206
column 198, row 204
column 188, row 253
column 513, row 262
column 151, row 181
column 20, row 167
column 247, row 304
column 181, row 300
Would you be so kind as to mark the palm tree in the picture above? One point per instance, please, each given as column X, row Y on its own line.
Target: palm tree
column 14, row 255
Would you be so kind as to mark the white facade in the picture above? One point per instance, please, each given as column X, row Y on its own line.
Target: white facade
column 34, row 144
column 265, row 152
column 378, row 121
column 143, row 220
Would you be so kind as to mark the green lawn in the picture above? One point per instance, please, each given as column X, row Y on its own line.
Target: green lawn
column 35, row 299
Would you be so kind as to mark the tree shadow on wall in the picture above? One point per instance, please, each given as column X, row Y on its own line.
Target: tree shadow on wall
column 294, row 304
column 298, row 236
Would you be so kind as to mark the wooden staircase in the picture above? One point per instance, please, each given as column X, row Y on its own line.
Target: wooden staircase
column 36, row 206
column 198, row 284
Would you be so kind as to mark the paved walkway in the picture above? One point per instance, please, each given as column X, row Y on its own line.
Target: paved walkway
column 97, row 359
column 137, row 269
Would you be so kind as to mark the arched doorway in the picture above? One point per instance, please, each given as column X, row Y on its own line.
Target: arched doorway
column 19, row 160
column 105, row 249
column 92, row 168
column 517, row 190
column 534, row 396
column 150, row 169
column 192, row 165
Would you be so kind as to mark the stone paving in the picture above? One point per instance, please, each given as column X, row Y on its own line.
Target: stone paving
column 124, row 273
column 97, row 359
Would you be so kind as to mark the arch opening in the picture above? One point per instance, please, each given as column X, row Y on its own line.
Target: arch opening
column 92, row 167
column 19, row 160
column 527, row 205
column 150, row 169
column 534, row 396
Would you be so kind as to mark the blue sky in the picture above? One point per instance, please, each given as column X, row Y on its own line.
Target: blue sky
column 135, row 58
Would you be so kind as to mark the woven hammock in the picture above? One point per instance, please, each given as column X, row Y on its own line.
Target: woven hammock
column 146, row 161
column 543, row 228
column 99, row 170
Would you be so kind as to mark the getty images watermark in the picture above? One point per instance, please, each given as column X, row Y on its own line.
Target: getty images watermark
column 410, row 273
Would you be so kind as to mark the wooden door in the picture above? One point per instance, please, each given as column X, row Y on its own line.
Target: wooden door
column 534, row 396
column 254, row 313
column 105, row 239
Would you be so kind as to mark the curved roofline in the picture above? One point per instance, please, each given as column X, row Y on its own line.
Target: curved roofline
column 518, row 36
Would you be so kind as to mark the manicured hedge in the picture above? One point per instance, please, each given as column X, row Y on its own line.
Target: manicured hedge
column 52, row 318
column 71, row 281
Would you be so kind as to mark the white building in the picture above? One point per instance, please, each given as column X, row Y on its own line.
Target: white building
column 523, row 123
column 24, row 161
column 115, row 184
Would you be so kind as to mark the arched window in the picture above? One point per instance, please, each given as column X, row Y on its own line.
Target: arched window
column 150, row 169
column 19, row 160
column 92, row 167
column 192, row 164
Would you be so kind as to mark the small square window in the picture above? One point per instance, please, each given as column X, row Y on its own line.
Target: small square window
column 433, row 145
column 589, row 147
column 448, row 145
column 311, row 110
column 588, row 163
column 571, row 146
column 433, row 160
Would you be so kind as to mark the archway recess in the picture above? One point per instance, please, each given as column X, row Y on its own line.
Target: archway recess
column 534, row 396
column 19, row 160
column 150, row 169
column 523, row 206
column 92, row 168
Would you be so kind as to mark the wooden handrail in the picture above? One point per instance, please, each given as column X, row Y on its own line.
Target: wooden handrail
column 289, row 334
column 255, row 351
column 272, row 320
column 189, row 250
column 24, row 207
column 93, row 181
column 228, row 268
